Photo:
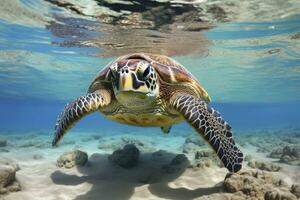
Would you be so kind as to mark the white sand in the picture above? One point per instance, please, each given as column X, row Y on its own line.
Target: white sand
column 99, row 179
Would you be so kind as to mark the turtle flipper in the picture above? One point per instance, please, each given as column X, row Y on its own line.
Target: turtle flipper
column 77, row 109
column 212, row 127
column 166, row 129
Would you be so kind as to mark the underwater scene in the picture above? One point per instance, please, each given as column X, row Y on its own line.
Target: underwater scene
column 224, row 124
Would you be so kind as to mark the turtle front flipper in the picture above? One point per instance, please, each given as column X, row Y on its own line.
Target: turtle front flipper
column 77, row 109
column 212, row 127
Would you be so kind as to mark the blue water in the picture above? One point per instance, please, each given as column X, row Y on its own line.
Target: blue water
column 246, row 54
column 251, row 70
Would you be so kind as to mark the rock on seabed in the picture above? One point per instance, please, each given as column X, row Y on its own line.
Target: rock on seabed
column 264, row 166
column 8, row 182
column 289, row 154
column 3, row 143
column 257, row 185
column 128, row 157
column 72, row 158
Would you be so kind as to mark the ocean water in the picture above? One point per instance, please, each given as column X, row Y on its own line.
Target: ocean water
column 247, row 59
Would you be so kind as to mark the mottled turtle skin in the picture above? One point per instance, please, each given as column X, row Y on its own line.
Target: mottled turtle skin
column 153, row 90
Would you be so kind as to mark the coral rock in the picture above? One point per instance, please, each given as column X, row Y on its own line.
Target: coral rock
column 277, row 194
column 202, row 154
column 195, row 140
column 200, row 164
column 114, row 144
column 37, row 157
column 289, row 154
column 295, row 189
column 3, row 143
column 256, row 185
column 72, row 159
column 179, row 163
column 127, row 157
column 8, row 182
column 264, row 166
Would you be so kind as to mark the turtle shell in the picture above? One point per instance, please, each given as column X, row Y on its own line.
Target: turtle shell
column 168, row 69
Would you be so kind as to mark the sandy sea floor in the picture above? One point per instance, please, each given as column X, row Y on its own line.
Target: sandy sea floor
column 153, row 177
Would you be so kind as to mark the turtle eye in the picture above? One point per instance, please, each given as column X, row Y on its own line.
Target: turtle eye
column 146, row 72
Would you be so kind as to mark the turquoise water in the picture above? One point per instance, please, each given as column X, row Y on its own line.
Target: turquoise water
column 251, row 69
column 246, row 54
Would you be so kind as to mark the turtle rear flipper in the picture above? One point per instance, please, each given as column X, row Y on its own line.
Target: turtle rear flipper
column 166, row 129
column 212, row 127
column 77, row 109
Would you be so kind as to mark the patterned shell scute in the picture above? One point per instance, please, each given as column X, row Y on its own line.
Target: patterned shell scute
column 173, row 72
column 169, row 70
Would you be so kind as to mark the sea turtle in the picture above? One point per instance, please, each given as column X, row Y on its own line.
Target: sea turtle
column 153, row 90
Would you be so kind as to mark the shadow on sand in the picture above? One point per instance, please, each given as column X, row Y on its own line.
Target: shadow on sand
column 110, row 182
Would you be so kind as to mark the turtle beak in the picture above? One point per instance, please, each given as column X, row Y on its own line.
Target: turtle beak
column 125, row 83
column 128, row 81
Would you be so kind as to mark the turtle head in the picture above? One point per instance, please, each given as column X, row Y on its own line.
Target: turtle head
column 134, row 80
